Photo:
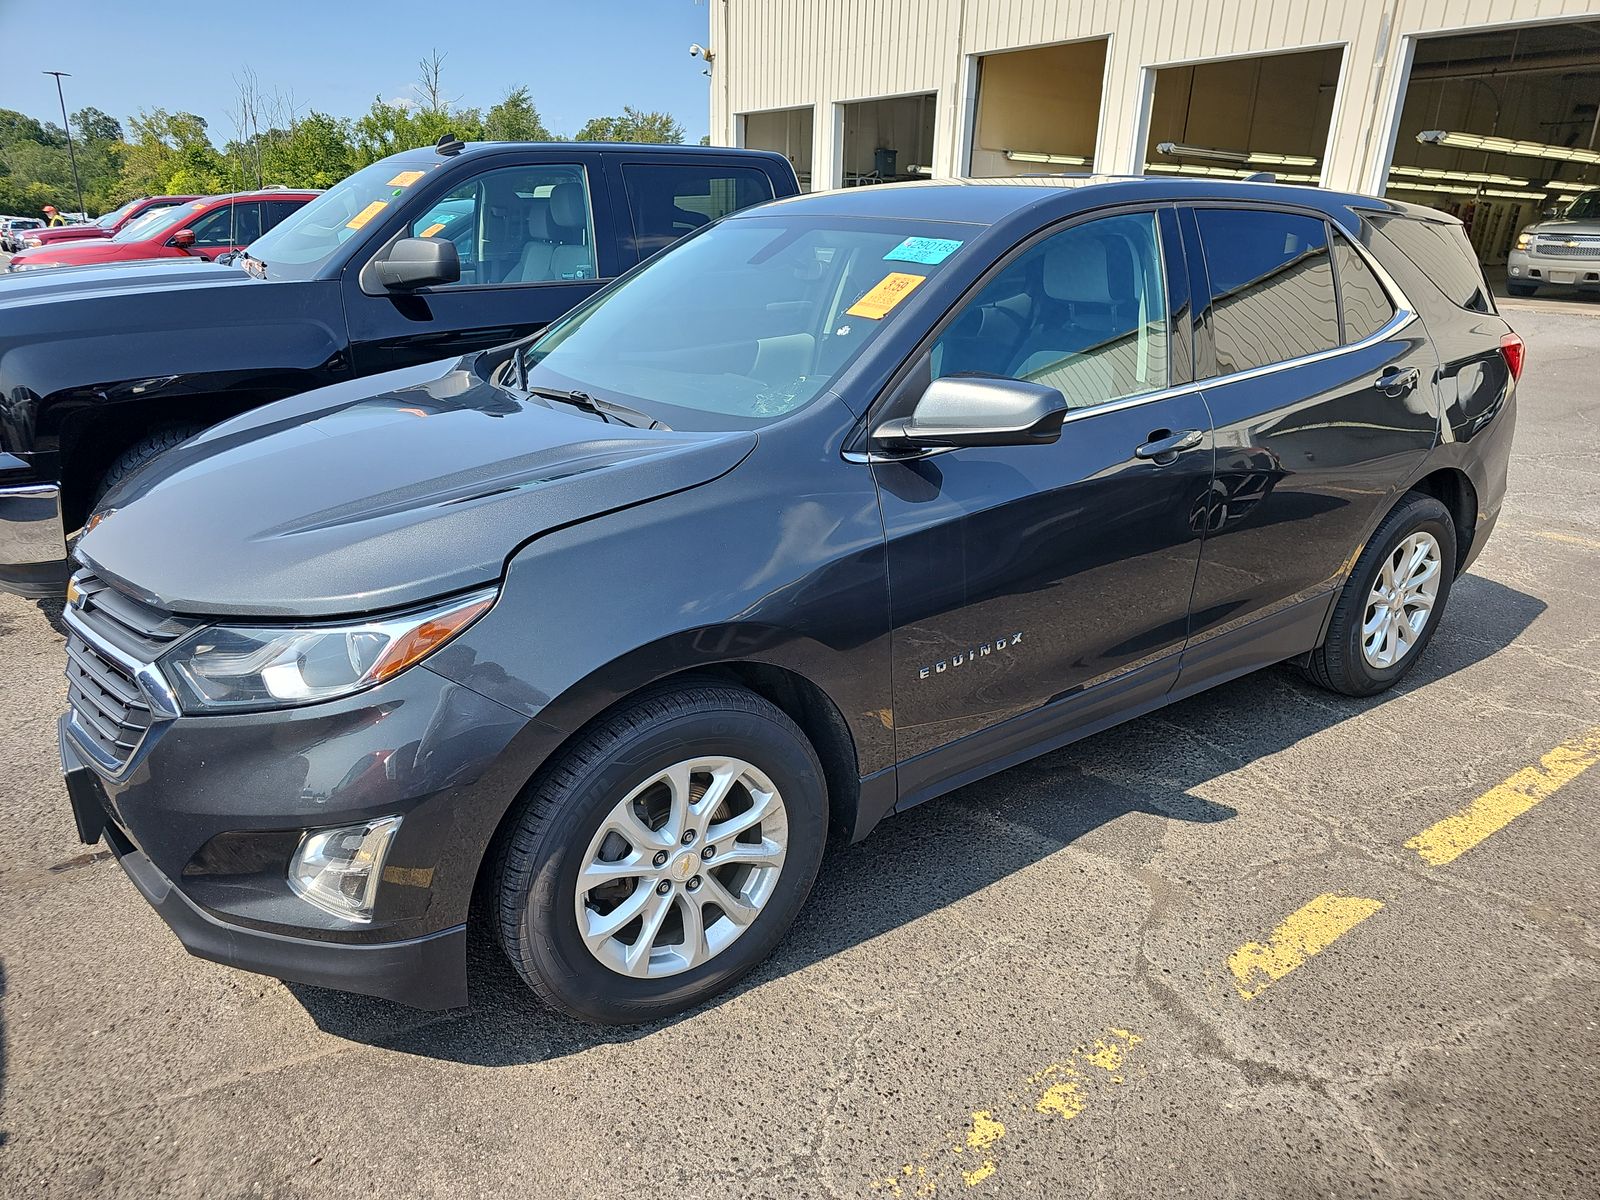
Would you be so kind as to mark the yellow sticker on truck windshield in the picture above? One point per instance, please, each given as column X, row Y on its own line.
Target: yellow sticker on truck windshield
column 366, row 214
column 431, row 229
column 880, row 301
column 406, row 178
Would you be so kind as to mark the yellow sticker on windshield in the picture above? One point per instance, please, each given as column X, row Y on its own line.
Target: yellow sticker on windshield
column 880, row 301
column 406, row 178
column 366, row 214
column 431, row 230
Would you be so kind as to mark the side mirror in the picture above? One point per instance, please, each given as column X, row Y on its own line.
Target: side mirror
column 183, row 239
column 977, row 410
column 418, row 262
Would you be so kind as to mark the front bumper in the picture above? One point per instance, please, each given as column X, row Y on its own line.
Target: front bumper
column 33, row 548
column 207, row 818
column 1543, row 270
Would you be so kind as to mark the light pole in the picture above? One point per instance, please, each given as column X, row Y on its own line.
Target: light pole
column 67, row 125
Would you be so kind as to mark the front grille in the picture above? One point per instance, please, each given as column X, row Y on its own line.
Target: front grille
column 110, row 637
column 1578, row 245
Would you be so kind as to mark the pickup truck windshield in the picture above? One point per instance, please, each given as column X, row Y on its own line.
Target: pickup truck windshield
column 115, row 215
column 1585, row 208
column 746, row 322
column 302, row 242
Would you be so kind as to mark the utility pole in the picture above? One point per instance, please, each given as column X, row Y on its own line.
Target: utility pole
column 67, row 125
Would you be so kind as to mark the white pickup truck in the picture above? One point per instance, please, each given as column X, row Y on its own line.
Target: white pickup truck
column 1561, row 252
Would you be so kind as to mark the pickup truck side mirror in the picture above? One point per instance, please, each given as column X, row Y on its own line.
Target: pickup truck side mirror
column 418, row 262
column 977, row 410
column 183, row 239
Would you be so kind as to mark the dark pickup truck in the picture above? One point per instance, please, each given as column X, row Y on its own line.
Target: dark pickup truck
column 423, row 256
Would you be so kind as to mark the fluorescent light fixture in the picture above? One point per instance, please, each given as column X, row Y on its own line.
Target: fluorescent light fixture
column 1285, row 160
column 1182, row 150
column 1034, row 156
column 1225, row 172
column 1502, row 145
column 1258, row 157
column 1458, row 190
column 1458, row 176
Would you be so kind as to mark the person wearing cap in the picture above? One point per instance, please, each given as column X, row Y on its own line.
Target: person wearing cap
column 52, row 216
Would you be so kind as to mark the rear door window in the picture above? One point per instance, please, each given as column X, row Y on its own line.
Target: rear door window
column 667, row 201
column 273, row 211
column 1363, row 304
column 1272, row 290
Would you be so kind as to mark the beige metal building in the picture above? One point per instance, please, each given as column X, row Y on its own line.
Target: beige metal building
column 1504, row 93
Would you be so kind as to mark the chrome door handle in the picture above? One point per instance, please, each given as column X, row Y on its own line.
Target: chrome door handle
column 1397, row 381
column 1164, row 446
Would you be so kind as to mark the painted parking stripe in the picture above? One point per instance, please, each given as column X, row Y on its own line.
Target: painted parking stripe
column 1447, row 840
column 1570, row 539
column 1307, row 931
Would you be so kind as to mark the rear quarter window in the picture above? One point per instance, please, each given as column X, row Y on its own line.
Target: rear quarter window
column 1441, row 251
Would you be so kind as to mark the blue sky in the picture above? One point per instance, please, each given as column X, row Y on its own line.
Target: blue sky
column 580, row 59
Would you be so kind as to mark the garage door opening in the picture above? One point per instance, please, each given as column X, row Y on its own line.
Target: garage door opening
column 786, row 130
column 1038, row 110
column 1242, row 115
column 1501, row 127
column 887, row 140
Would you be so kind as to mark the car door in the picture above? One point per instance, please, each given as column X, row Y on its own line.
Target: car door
column 534, row 239
column 1322, row 390
column 1023, row 575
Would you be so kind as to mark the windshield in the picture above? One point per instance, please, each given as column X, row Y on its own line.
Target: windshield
column 115, row 215
column 158, row 221
column 1585, row 208
column 746, row 322
column 302, row 242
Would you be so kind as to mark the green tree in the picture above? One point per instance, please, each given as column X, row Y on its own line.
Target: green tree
column 515, row 119
column 633, row 126
column 169, row 153
column 315, row 153
column 95, row 126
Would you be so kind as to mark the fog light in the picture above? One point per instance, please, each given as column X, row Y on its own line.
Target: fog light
column 338, row 869
column 1516, row 270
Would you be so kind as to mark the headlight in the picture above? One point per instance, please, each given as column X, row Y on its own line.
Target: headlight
column 1524, row 239
column 32, row 241
column 224, row 668
column 26, row 266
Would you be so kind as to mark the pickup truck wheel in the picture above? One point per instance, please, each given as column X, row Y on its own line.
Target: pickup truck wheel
column 665, row 855
column 1391, row 604
column 141, row 452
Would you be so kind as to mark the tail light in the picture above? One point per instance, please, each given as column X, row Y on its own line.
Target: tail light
column 1514, row 350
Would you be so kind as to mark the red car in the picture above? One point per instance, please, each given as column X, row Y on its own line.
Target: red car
column 110, row 224
column 203, row 228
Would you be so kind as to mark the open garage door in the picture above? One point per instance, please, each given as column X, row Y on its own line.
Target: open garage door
column 888, row 140
column 1234, row 117
column 1038, row 109
column 1500, row 127
column 788, row 131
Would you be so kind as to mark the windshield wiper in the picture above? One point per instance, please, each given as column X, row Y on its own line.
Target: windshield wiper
column 607, row 410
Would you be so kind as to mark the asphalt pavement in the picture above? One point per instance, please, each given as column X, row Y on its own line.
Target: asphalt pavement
column 1269, row 942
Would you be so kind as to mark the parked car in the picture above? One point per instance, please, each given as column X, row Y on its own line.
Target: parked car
column 14, row 229
column 1561, row 253
column 204, row 228
column 112, row 223
column 841, row 503
column 422, row 255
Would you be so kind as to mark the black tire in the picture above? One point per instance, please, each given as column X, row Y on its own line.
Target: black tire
column 1522, row 289
column 141, row 452
column 534, row 905
column 1339, row 664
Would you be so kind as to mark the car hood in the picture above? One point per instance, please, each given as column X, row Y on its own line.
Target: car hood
column 23, row 288
column 377, row 494
column 1561, row 225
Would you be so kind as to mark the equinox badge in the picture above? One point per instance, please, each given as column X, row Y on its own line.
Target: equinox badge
column 970, row 655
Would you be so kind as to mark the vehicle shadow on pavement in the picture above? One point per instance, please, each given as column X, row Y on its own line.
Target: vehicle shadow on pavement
column 948, row 849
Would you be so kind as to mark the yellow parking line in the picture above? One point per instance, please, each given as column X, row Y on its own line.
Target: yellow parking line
column 1059, row 1090
column 1308, row 930
column 1449, row 839
column 1571, row 539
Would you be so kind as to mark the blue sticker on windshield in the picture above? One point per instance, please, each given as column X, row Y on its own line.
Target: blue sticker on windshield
column 923, row 250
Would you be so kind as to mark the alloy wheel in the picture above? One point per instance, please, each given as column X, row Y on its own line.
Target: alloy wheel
column 681, row 867
column 1401, row 600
